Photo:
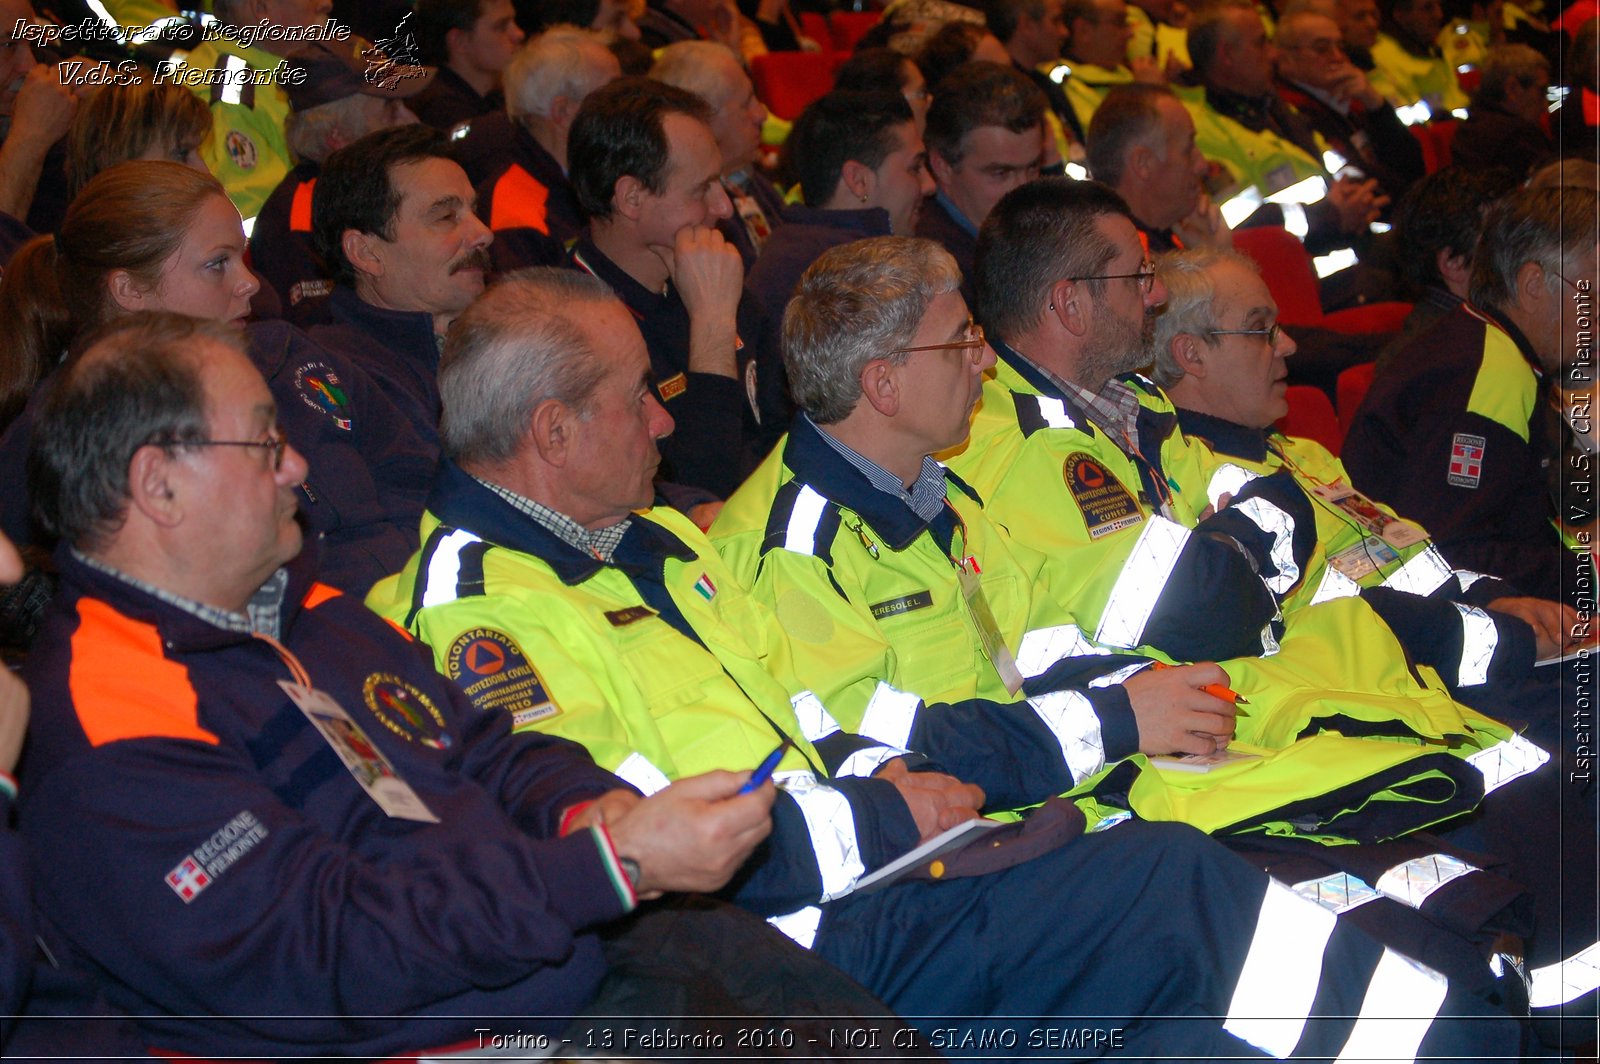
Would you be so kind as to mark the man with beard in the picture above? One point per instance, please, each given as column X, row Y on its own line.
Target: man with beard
column 393, row 217
column 1065, row 371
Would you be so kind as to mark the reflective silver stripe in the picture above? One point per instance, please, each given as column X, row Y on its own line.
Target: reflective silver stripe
column 1043, row 647
column 1337, row 892
column 1116, row 676
column 1413, row 882
column 1143, row 578
column 889, row 716
column 1272, row 519
column 444, row 568
column 1423, row 574
column 1227, row 480
column 1564, row 981
column 233, row 85
column 1401, row 1002
column 816, row 723
column 637, row 770
column 800, row 926
column 801, row 535
column 832, row 827
column 1504, row 762
column 1295, row 220
column 1054, row 413
column 1334, row 585
column 868, row 760
column 1466, row 578
column 1479, row 637
column 1281, row 972
column 1071, row 719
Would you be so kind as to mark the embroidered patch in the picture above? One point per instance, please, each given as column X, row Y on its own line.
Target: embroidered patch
column 241, row 149
column 215, row 856
column 308, row 290
column 405, row 710
column 1106, row 505
column 623, row 618
column 904, row 604
column 496, row 675
column 1466, row 460
column 673, row 387
column 705, row 588
column 320, row 389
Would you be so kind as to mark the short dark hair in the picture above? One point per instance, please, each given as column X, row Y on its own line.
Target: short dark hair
column 356, row 189
column 620, row 132
column 1003, row 16
column 134, row 382
column 434, row 21
column 1444, row 212
column 1127, row 116
column 1037, row 234
column 948, row 50
column 838, row 128
column 535, row 18
column 981, row 94
column 1209, row 31
column 871, row 70
column 1543, row 225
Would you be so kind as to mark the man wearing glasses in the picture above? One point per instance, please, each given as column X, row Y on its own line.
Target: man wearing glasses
column 1319, row 81
column 263, row 822
column 1462, row 429
column 1070, row 298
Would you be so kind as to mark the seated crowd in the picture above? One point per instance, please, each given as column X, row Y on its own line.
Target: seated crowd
column 438, row 472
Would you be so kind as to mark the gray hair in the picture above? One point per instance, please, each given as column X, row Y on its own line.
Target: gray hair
column 136, row 382
column 309, row 133
column 1504, row 64
column 559, row 62
column 858, row 302
column 1543, row 225
column 700, row 67
column 1191, row 305
column 521, row 343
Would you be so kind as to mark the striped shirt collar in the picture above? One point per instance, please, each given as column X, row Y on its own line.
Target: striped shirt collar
column 263, row 613
column 601, row 543
column 926, row 497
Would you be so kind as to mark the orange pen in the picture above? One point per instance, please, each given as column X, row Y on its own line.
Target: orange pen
column 1215, row 690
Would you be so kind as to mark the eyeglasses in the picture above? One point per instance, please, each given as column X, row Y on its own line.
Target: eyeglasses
column 1146, row 276
column 1271, row 332
column 972, row 341
column 275, row 442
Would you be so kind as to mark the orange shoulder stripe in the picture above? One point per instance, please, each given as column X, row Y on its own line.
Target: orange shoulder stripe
column 519, row 202
column 123, row 686
column 318, row 594
column 300, row 207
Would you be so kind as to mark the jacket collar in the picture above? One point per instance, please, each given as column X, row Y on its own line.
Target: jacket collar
column 824, row 470
column 181, row 630
column 1516, row 334
column 460, row 501
column 1036, row 379
column 870, row 221
column 1225, row 437
column 407, row 331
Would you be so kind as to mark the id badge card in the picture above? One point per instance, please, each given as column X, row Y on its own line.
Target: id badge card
column 1366, row 557
column 1366, row 513
column 364, row 760
column 994, row 644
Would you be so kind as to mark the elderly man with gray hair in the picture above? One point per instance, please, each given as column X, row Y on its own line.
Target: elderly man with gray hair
column 712, row 72
column 1460, row 430
column 518, row 160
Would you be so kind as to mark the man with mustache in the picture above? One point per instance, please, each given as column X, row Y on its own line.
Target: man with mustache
column 392, row 216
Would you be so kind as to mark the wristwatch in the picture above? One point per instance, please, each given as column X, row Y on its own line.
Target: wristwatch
column 630, row 868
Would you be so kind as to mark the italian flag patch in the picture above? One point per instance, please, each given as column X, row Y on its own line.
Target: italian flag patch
column 705, row 587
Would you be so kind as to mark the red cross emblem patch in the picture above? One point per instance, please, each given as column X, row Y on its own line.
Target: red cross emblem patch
column 1466, row 460
column 188, row 879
